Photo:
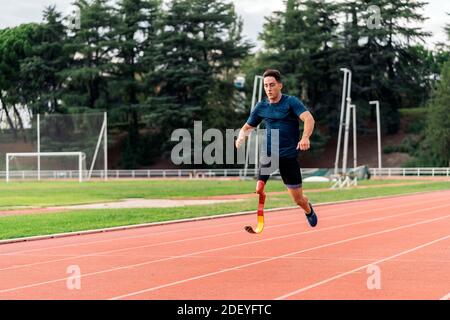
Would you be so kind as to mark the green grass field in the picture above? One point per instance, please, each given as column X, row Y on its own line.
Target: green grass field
column 39, row 194
column 64, row 193
column 44, row 194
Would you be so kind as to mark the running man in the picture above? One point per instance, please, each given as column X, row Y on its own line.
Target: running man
column 282, row 112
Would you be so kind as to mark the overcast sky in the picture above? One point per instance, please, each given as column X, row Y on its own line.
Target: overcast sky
column 13, row 13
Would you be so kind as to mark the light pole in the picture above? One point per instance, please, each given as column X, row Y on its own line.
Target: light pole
column 346, row 99
column 355, row 147
column 350, row 108
column 377, row 105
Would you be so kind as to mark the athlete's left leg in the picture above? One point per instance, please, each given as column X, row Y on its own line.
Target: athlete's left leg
column 299, row 198
column 303, row 202
column 292, row 178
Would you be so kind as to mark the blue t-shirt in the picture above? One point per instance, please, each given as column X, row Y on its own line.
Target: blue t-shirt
column 284, row 116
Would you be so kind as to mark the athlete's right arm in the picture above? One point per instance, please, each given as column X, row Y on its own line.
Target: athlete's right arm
column 243, row 133
column 253, row 121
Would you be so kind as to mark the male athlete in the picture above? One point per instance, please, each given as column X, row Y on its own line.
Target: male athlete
column 282, row 112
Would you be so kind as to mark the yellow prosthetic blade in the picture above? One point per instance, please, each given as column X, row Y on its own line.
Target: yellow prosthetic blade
column 260, row 226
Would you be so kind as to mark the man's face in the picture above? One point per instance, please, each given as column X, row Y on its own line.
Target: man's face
column 272, row 87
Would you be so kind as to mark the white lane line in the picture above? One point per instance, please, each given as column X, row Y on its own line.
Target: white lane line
column 447, row 297
column 314, row 285
column 15, row 267
column 272, row 259
column 341, row 205
column 247, row 243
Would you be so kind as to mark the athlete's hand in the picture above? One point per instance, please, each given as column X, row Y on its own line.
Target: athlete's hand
column 241, row 139
column 304, row 144
column 239, row 142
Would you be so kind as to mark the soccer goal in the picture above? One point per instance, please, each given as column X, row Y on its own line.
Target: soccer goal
column 70, row 159
column 56, row 146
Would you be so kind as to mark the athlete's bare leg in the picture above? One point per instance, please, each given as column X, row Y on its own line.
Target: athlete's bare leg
column 300, row 199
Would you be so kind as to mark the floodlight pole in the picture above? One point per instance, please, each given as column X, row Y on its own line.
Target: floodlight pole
column 38, row 119
column 346, row 137
column 346, row 91
column 80, row 165
column 355, row 147
column 7, row 167
column 105, row 143
column 377, row 105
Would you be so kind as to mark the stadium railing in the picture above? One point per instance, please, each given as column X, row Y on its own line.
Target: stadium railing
column 214, row 173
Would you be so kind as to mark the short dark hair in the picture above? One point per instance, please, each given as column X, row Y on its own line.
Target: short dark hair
column 273, row 73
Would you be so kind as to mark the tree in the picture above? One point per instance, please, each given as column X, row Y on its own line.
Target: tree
column 134, row 36
column 197, row 52
column 435, row 149
column 16, row 44
column 91, row 56
column 381, row 56
column 300, row 42
column 437, row 144
column 134, row 39
column 416, row 73
column 41, row 73
column 447, row 28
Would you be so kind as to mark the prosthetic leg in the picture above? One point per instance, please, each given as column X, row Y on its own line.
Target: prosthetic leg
column 262, row 198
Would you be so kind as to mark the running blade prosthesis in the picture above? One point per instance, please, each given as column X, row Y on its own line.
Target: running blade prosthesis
column 260, row 226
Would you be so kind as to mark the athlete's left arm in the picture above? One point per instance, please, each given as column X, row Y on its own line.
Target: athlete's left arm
column 308, row 129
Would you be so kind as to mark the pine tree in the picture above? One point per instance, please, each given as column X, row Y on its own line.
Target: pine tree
column 134, row 35
column 134, row 39
column 380, row 56
column 447, row 28
column 437, row 147
column 41, row 73
column 435, row 150
column 198, row 49
column 91, row 49
column 300, row 42
column 16, row 45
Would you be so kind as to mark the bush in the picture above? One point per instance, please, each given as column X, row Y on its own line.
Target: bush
column 416, row 126
column 409, row 145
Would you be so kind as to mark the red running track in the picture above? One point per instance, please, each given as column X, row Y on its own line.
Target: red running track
column 391, row 248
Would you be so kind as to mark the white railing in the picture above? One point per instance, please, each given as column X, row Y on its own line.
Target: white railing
column 205, row 173
column 410, row 172
column 137, row 174
column 134, row 174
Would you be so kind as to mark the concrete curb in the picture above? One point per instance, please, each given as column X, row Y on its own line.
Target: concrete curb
column 226, row 215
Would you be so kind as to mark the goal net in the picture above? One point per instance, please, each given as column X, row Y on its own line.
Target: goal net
column 55, row 146
column 46, row 165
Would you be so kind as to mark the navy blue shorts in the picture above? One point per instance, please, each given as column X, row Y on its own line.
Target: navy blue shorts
column 289, row 170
